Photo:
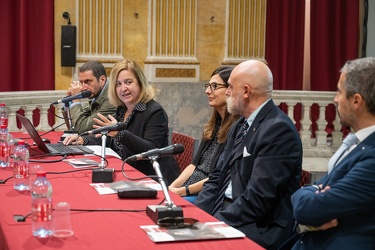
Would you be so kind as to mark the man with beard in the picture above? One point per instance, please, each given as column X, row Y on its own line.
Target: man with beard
column 92, row 76
column 260, row 167
column 338, row 211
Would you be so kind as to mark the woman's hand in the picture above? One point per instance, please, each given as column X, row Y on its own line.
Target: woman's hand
column 179, row 191
column 73, row 139
column 105, row 121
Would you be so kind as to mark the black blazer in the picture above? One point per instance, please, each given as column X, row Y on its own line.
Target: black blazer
column 265, row 173
column 146, row 130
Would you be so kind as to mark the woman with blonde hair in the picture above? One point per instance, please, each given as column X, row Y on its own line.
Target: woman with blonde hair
column 146, row 120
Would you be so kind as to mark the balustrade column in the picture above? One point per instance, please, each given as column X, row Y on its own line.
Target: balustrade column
column 321, row 134
column 12, row 119
column 306, row 124
column 291, row 106
column 336, row 134
column 43, row 122
column 28, row 101
column 59, row 119
column 28, row 113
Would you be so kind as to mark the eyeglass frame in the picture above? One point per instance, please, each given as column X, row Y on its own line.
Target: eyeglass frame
column 214, row 86
column 177, row 222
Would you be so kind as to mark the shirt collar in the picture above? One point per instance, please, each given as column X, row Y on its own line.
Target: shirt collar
column 141, row 106
column 255, row 113
column 365, row 132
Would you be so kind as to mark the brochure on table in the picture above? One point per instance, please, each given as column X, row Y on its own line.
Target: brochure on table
column 200, row 231
column 98, row 150
column 82, row 162
column 111, row 188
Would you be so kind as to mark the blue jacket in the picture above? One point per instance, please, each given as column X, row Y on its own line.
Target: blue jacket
column 351, row 200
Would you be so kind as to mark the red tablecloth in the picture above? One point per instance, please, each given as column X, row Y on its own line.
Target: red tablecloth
column 95, row 230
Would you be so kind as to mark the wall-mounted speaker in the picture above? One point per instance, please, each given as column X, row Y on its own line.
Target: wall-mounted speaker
column 68, row 45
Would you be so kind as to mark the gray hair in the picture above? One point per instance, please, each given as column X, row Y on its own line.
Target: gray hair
column 360, row 78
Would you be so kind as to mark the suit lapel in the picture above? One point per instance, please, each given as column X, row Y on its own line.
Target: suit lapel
column 232, row 140
column 252, row 129
column 359, row 150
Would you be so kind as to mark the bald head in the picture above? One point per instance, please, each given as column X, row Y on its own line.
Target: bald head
column 256, row 74
column 250, row 85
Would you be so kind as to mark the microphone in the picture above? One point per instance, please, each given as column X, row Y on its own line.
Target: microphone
column 170, row 150
column 117, row 127
column 83, row 94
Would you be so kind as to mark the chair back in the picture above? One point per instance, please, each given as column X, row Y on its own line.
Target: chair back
column 190, row 144
column 305, row 178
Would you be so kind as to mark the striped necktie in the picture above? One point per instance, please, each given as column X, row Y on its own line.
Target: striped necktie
column 239, row 137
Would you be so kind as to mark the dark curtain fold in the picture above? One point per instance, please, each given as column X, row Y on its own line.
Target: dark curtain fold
column 27, row 45
column 334, row 40
column 285, row 25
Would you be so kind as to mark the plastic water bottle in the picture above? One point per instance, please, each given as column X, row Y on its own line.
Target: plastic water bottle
column 11, row 144
column 21, row 167
column 41, row 206
column 3, row 115
column 4, row 146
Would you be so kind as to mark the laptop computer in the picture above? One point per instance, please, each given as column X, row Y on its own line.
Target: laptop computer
column 52, row 148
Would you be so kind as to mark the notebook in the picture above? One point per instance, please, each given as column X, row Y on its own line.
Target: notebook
column 52, row 148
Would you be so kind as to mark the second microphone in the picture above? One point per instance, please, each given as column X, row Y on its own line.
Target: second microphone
column 169, row 150
column 117, row 127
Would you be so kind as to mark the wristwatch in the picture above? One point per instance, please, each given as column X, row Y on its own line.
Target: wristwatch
column 187, row 190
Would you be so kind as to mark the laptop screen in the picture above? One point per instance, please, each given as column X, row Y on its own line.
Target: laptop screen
column 33, row 133
column 55, row 149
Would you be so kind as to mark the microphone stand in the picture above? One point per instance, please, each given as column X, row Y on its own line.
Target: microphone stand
column 69, row 121
column 67, row 108
column 103, row 174
column 104, row 143
column 157, row 212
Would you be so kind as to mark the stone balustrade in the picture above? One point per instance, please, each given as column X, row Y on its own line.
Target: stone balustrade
column 318, row 144
column 307, row 99
column 27, row 102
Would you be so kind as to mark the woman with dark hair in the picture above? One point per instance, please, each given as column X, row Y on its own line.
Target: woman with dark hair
column 190, row 181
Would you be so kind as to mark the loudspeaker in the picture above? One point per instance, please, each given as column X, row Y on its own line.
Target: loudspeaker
column 68, row 45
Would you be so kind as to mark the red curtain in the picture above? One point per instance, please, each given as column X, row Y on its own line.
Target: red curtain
column 27, row 45
column 285, row 42
column 334, row 40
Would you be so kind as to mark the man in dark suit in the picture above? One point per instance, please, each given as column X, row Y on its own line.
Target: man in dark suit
column 263, row 169
column 340, row 207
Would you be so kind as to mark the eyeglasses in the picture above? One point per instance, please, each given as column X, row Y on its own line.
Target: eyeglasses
column 177, row 222
column 214, row 86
